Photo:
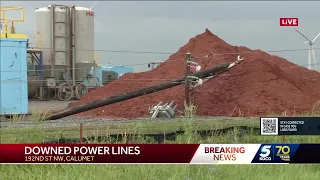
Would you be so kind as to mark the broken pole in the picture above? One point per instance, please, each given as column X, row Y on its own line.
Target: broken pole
column 141, row 92
column 187, row 83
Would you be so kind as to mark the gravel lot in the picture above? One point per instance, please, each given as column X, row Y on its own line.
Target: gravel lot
column 75, row 121
column 64, row 122
column 48, row 105
column 71, row 121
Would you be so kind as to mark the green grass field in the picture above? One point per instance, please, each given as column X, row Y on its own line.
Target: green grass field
column 158, row 172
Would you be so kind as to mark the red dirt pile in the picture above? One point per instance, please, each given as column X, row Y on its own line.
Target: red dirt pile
column 262, row 85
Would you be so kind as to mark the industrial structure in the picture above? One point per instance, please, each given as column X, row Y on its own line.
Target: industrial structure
column 62, row 55
column 57, row 64
column 101, row 75
column 13, row 66
column 65, row 36
column 62, row 65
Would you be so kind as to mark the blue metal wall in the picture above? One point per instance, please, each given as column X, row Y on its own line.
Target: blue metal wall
column 90, row 82
column 120, row 70
column 13, row 76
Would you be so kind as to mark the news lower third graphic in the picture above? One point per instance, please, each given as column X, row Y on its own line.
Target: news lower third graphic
column 275, row 153
column 288, row 154
column 290, row 126
column 86, row 154
column 160, row 154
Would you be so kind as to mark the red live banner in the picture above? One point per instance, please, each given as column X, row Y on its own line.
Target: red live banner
column 96, row 153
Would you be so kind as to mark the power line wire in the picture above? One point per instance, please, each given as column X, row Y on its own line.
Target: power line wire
column 154, row 52
column 126, row 80
column 123, row 81
column 211, row 55
column 45, row 70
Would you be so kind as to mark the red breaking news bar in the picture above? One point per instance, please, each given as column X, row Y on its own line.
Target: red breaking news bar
column 159, row 153
column 97, row 153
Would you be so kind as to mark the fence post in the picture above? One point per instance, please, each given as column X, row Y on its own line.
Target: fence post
column 283, row 139
column 81, row 133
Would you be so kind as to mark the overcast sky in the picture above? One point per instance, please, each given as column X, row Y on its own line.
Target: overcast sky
column 166, row 26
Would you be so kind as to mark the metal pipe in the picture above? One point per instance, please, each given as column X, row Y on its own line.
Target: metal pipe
column 94, row 73
column 41, row 75
column 68, row 51
column 53, row 51
column 73, row 45
column 70, row 40
column 122, row 97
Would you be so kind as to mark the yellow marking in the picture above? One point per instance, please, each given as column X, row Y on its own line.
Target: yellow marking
column 3, row 9
column 15, row 36
column 6, row 21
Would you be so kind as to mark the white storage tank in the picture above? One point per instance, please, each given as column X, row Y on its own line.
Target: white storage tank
column 81, row 25
column 84, row 41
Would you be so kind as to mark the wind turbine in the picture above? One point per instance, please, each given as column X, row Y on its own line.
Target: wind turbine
column 94, row 5
column 311, row 50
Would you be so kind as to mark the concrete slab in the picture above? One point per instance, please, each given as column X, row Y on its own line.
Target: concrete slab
column 48, row 105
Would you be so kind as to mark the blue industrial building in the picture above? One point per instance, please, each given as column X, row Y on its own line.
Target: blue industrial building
column 13, row 75
column 103, row 73
column 120, row 70
column 23, row 68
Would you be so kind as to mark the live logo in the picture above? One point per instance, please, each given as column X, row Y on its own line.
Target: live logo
column 289, row 22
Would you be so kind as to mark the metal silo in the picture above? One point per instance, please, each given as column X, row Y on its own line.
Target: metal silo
column 83, row 41
column 67, row 37
column 52, row 31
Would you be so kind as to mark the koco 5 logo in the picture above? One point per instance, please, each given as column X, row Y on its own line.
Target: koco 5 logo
column 265, row 153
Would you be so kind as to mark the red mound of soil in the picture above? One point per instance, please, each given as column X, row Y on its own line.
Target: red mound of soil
column 262, row 85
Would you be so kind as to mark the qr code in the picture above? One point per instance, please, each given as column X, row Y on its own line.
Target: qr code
column 269, row 126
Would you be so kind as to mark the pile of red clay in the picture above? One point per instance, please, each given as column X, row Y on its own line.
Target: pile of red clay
column 262, row 84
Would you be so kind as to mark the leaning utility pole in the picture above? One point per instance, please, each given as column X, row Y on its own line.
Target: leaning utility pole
column 141, row 92
column 187, row 84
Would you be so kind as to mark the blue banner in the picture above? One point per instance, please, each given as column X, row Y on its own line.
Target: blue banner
column 288, row 154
